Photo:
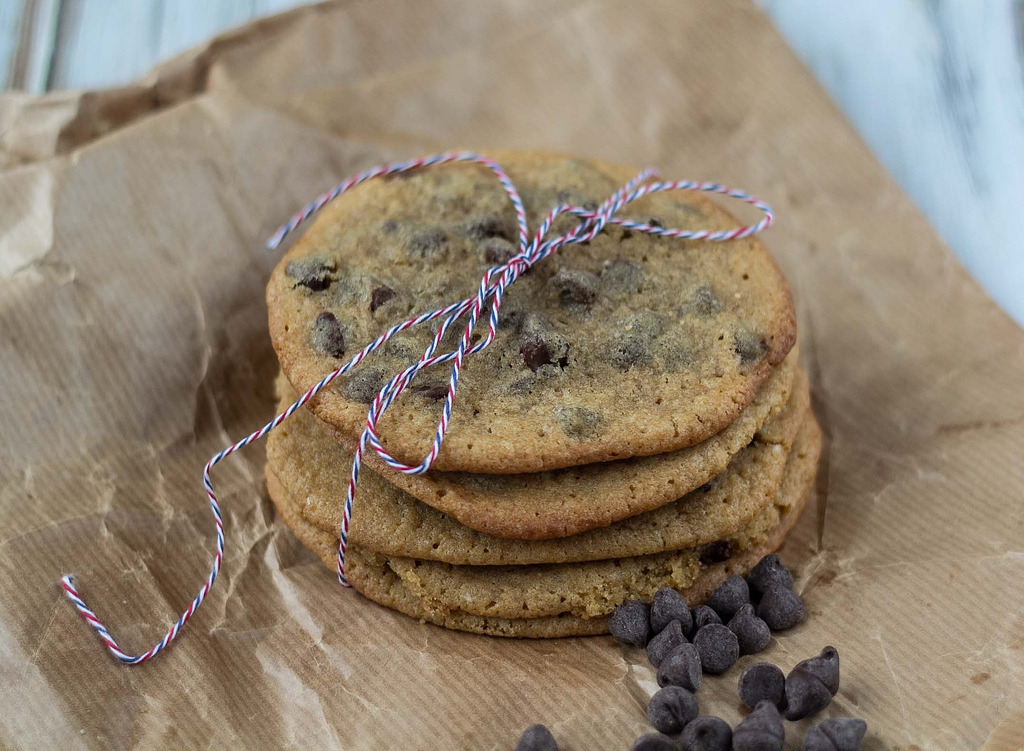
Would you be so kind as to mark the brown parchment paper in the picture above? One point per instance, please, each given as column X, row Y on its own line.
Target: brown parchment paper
column 133, row 345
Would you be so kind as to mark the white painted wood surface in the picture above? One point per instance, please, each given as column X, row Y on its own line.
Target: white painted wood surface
column 935, row 87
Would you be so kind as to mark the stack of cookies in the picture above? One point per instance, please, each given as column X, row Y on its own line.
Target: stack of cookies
column 640, row 421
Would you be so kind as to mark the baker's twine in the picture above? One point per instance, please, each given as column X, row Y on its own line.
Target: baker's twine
column 532, row 248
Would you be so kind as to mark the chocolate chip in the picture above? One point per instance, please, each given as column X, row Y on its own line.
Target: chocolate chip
column 707, row 733
column 761, row 730
column 671, row 708
column 706, row 487
column 664, row 643
column 780, row 608
column 704, row 616
column 314, row 273
column 622, row 275
column 752, row 633
column 575, row 287
column 749, row 346
column 729, row 597
column 540, row 344
column 715, row 552
column 497, row 251
column 718, row 648
column 667, row 606
column 364, row 384
column 836, row 734
column 428, row 243
column 703, row 302
column 655, row 221
column 681, row 668
column 434, row 391
column 626, row 234
column 536, row 738
column 490, row 226
column 806, row 694
column 379, row 296
column 769, row 570
column 826, row 667
column 632, row 339
column 389, row 226
column 578, row 422
column 654, row 742
column 327, row 335
column 762, row 681
column 630, row 623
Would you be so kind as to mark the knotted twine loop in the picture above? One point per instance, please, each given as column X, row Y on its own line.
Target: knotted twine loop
column 491, row 288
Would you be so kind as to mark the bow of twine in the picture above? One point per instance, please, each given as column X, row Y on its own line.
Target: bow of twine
column 532, row 248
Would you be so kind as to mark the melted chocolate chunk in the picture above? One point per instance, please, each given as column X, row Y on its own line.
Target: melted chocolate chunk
column 428, row 243
column 575, row 287
column 327, row 335
column 486, row 227
column 313, row 273
column 379, row 296
column 632, row 340
column 363, row 385
column 435, row 391
column 497, row 251
column 622, row 275
column 541, row 345
column 716, row 552
column 578, row 422
column 749, row 346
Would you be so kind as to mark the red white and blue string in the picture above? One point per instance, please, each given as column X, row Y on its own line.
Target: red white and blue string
column 532, row 248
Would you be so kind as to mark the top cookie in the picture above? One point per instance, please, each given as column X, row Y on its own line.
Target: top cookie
column 630, row 345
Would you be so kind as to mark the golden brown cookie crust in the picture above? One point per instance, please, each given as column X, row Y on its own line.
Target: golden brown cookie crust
column 556, row 503
column 314, row 469
column 655, row 344
column 380, row 579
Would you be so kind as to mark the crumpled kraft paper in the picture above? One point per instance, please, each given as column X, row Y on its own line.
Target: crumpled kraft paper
column 133, row 345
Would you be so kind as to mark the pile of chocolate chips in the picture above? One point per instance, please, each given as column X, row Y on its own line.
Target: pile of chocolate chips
column 683, row 644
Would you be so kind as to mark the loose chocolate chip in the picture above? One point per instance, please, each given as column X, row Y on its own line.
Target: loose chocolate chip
column 536, row 738
column 762, row 681
column 715, row 552
column 769, row 570
column 630, row 623
column 749, row 346
column 752, row 633
column 575, row 287
column 389, row 226
column 490, row 226
column 703, row 616
column 428, row 243
column 540, row 344
column 497, row 251
column 761, row 730
column 379, row 296
column 327, row 335
column 681, row 668
column 363, row 385
column 806, row 695
column 667, row 606
column 836, row 734
column 718, row 648
column 729, row 597
column 780, row 608
column 434, row 391
column 826, row 667
column 671, row 708
column 313, row 273
column 578, row 422
column 707, row 733
column 622, row 275
column 664, row 643
column 654, row 742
